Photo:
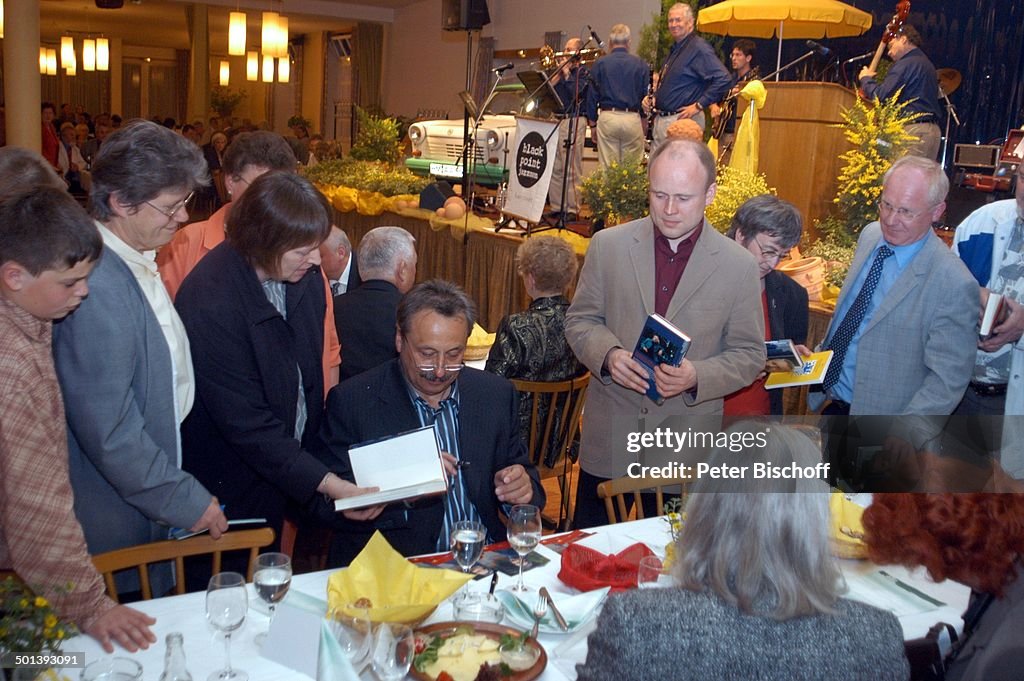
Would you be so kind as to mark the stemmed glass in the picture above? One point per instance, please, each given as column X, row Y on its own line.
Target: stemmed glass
column 272, row 577
column 393, row 649
column 524, row 531
column 226, row 602
column 468, row 539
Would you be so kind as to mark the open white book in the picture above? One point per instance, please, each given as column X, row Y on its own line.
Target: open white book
column 403, row 466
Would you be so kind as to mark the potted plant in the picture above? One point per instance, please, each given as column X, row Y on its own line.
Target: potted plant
column 618, row 193
column 224, row 100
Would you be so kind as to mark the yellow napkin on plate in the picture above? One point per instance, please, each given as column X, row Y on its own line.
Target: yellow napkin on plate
column 846, row 527
column 398, row 591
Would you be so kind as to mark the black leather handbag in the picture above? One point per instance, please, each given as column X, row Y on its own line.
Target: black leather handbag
column 925, row 654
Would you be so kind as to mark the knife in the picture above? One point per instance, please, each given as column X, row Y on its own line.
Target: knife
column 554, row 609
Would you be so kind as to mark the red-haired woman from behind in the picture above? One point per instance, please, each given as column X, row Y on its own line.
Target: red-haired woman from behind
column 975, row 539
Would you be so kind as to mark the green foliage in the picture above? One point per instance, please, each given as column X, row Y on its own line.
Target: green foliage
column 617, row 193
column 297, row 120
column 373, row 176
column 377, row 139
column 835, row 246
column 28, row 623
column 224, row 100
column 735, row 186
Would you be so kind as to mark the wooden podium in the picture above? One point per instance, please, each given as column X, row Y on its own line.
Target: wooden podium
column 801, row 143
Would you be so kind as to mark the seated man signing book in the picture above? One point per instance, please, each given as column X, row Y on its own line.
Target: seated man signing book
column 475, row 419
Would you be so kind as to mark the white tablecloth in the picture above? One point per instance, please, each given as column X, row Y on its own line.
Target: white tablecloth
column 891, row 588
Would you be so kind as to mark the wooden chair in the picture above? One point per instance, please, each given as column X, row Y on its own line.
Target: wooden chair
column 614, row 493
column 139, row 557
column 556, row 408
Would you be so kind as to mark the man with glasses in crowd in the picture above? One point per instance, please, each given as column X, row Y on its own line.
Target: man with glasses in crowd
column 474, row 415
column 904, row 332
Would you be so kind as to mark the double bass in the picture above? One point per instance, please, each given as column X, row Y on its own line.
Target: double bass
column 892, row 30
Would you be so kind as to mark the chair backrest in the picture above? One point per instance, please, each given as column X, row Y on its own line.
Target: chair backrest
column 555, row 411
column 139, row 557
column 614, row 493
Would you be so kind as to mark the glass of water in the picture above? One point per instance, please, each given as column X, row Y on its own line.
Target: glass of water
column 468, row 537
column 227, row 601
column 272, row 577
column 394, row 646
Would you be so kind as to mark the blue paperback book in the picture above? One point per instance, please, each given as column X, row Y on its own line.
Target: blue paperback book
column 660, row 342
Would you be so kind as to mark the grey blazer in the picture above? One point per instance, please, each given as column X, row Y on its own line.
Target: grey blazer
column 995, row 651
column 717, row 304
column 114, row 369
column 678, row 634
column 916, row 353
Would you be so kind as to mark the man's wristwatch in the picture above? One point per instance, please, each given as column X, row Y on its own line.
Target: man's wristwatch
column 699, row 107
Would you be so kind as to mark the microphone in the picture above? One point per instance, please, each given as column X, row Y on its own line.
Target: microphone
column 819, row 48
column 502, row 69
column 595, row 37
column 860, row 56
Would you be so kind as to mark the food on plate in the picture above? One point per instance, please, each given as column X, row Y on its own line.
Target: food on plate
column 462, row 654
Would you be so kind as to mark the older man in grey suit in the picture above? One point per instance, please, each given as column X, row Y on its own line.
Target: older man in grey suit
column 675, row 264
column 904, row 333
column 123, row 358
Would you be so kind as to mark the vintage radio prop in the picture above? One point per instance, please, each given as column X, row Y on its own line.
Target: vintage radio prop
column 999, row 169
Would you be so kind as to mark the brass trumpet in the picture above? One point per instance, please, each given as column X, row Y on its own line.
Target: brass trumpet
column 549, row 59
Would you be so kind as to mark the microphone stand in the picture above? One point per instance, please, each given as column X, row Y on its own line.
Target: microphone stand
column 469, row 177
column 570, row 140
column 950, row 115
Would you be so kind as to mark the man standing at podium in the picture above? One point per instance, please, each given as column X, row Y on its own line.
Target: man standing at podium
column 914, row 72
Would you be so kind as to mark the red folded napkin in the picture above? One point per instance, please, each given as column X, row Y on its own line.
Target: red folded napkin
column 585, row 569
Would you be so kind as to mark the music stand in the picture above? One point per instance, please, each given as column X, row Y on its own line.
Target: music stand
column 540, row 90
column 470, row 105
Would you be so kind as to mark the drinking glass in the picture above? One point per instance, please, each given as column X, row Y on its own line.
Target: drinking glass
column 651, row 573
column 393, row 649
column 272, row 577
column 226, row 602
column 468, row 539
column 352, row 630
column 524, row 531
column 109, row 669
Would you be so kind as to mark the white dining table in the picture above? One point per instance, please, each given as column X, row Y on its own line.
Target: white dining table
column 917, row 601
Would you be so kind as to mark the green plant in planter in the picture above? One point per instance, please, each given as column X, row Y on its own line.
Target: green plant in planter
column 377, row 139
column 373, row 176
column 835, row 246
column 735, row 186
column 617, row 193
column 28, row 623
column 224, row 100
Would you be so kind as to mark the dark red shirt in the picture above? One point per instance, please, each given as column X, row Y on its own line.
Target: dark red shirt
column 669, row 266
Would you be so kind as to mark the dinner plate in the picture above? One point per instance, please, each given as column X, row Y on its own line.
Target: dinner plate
column 493, row 631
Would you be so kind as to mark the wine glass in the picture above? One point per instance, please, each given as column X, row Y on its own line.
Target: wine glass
column 226, row 602
column 393, row 649
column 524, row 530
column 273, row 576
column 468, row 539
column 352, row 630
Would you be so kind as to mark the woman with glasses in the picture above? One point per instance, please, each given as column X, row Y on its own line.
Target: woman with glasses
column 123, row 357
column 768, row 227
column 254, row 311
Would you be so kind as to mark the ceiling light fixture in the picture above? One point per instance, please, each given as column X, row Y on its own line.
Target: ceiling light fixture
column 102, row 54
column 252, row 66
column 225, row 73
column 268, row 69
column 236, row 34
column 89, row 54
column 283, row 69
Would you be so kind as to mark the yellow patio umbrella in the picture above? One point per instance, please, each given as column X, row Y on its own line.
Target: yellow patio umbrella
column 783, row 19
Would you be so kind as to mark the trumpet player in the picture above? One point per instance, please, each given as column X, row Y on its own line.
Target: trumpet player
column 571, row 82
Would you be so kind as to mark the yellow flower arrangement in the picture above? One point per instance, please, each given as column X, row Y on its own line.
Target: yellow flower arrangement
column 878, row 132
column 617, row 193
column 28, row 623
column 735, row 186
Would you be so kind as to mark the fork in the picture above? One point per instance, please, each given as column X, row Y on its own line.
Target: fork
column 540, row 609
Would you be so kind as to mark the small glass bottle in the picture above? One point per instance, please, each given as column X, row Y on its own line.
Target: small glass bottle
column 174, row 659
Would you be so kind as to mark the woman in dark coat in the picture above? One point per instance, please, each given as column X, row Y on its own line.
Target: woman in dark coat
column 254, row 310
column 768, row 227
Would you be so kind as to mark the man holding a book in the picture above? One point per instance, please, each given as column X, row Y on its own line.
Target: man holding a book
column 474, row 415
column 670, row 267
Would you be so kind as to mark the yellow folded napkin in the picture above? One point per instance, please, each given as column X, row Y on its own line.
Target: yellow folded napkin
column 846, row 527
column 397, row 590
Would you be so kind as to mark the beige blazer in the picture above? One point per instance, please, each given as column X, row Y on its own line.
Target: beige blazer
column 717, row 303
